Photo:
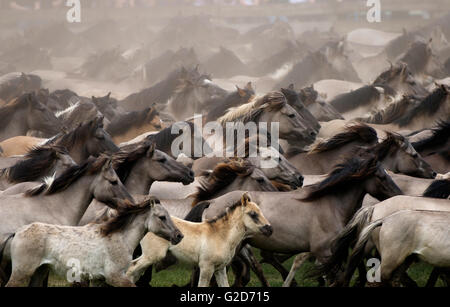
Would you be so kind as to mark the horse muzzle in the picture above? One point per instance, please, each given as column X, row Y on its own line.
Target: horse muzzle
column 266, row 230
column 176, row 238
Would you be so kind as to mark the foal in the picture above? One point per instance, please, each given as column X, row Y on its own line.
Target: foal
column 104, row 251
column 211, row 245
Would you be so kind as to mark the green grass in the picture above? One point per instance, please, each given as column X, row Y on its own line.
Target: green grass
column 180, row 275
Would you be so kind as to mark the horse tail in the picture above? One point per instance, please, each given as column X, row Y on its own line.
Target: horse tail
column 3, row 244
column 196, row 213
column 3, row 276
column 341, row 244
column 358, row 250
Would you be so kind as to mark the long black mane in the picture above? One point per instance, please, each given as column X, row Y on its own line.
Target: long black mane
column 440, row 136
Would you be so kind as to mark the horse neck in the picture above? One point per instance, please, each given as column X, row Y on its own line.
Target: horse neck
column 231, row 229
column 138, row 181
column 346, row 202
column 134, row 231
column 73, row 201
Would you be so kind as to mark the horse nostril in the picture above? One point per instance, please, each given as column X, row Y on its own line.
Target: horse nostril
column 191, row 173
column 434, row 174
column 300, row 180
column 313, row 134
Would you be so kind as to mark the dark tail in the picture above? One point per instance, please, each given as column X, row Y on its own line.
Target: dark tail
column 438, row 189
column 341, row 244
column 2, row 247
column 358, row 250
column 196, row 213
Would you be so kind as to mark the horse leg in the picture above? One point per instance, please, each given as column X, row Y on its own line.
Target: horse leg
column 255, row 266
column 40, row 277
column 206, row 272
column 238, row 266
column 431, row 282
column 403, row 276
column 298, row 261
column 21, row 275
column 139, row 270
column 222, row 278
column 269, row 258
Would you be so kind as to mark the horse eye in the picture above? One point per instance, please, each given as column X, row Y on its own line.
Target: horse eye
column 162, row 217
column 253, row 214
column 163, row 160
column 260, row 180
column 114, row 182
column 291, row 115
column 415, row 155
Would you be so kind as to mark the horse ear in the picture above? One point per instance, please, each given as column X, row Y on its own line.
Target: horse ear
column 94, row 99
column 245, row 199
column 241, row 92
column 151, row 150
column 109, row 94
column 291, row 86
column 249, row 86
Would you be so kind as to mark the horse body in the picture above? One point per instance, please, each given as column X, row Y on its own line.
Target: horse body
column 103, row 251
column 211, row 245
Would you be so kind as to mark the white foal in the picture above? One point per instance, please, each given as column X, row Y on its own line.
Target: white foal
column 211, row 245
column 104, row 251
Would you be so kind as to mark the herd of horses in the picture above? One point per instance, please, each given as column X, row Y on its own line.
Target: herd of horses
column 361, row 167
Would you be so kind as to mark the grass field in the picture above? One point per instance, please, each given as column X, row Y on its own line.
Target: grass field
column 179, row 275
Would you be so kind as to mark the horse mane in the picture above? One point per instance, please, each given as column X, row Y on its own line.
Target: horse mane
column 358, row 132
column 356, row 98
column 72, row 174
column 222, row 176
column 253, row 109
column 233, row 99
column 225, row 214
column 438, row 189
column 125, row 122
column 390, row 73
column 439, row 136
column 428, row 106
column 344, row 174
column 390, row 113
column 392, row 140
column 127, row 212
column 124, row 160
column 68, row 140
column 8, row 110
column 36, row 162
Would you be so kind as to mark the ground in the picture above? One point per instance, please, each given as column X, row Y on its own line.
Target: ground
column 179, row 275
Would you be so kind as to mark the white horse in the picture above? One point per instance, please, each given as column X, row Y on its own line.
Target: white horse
column 211, row 245
column 103, row 251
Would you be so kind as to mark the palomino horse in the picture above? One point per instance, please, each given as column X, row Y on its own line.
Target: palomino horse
column 89, row 139
column 210, row 245
column 273, row 108
column 44, row 161
column 33, row 245
column 65, row 199
column 125, row 127
column 405, row 234
column 27, row 113
column 366, row 215
column 306, row 220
